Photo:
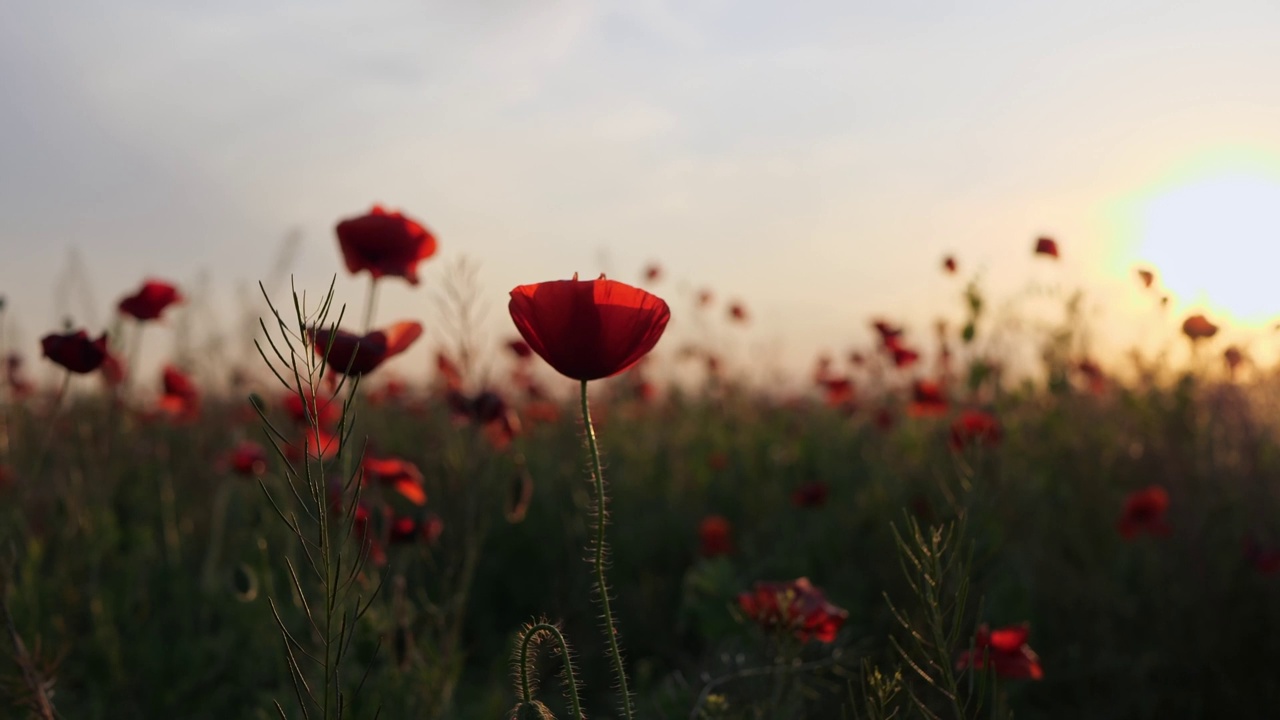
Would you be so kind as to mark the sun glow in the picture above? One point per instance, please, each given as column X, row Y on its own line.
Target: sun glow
column 1215, row 242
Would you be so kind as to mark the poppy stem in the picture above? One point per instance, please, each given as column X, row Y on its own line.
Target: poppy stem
column 610, row 629
column 53, row 423
column 370, row 304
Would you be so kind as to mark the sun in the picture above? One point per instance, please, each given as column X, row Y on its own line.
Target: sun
column 1215, row 242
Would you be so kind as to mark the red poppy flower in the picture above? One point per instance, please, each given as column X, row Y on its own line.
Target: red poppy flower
column 811, row 495
column 369, row 545
column 405, row 529
column 520, row 349
column 738, row 312
column 327, row 411
column 591, row 329
column 399, row 475
column 449, row 371
column 1233, row 357
column 796, row 607
column 974, row 427
column 180, row 399
column 541, row 411
column 949, row 264
column 653, row 272
column 320, row 444
column 715, row 536
column 888, row 333
column 247, row 459
column 927, row 399
column 1198, row 327
column 903, row 357
column 113, row 371
column 385, row 243
column 1144, row 511
column 1146, row 277
column 839, row 392
column 75, row 351
column 1093, row 375
column 150, row 300
column 1007, row 651
column 1047, row 246
column 357, row 355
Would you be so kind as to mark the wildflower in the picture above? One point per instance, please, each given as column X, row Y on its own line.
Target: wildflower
column 1047, row 246
column 406, row 529
column 704, row 298
column 591, row 329
column 927, row 399
column 1198, row 327
column 1233, row 357
column 839, row 392
column 974, row 427
column 520, row 348
column 399, row 475
column 75, row 351
column 357, row 355
column 653, row 272
column 1007, row 651
column 180, row 398
column 449, row 371
column 1092, row 374
column 326, row 412
column 949, row 265
column 385, row 243
column 1144, row 511
column 150, row 300
column 247, row 459
column 737, row 312
column 715, row 536
column 795, row 606
column 1146, row 277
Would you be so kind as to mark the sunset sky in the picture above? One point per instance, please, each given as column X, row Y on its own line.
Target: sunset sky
column 814, row 159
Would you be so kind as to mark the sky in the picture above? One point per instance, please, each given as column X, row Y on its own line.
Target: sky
column 815, row 160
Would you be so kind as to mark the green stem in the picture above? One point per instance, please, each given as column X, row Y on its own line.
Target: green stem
column 571, row 684
column 610, row 629
column 370, row 303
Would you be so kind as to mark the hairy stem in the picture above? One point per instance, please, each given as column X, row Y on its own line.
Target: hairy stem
column 571, row 684
column 610, row 630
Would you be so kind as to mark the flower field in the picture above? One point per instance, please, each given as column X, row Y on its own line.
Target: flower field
column 922, row 530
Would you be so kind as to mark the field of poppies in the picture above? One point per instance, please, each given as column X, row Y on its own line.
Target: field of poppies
column 547, row 527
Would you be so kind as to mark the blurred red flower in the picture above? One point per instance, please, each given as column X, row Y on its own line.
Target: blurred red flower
column 1144, row 511
column 520, row 348
column 1233, row 357
column 385, row 243
column 405, row 529
column 715, row 536
column 247, row 459
column 113, row 371
column 795, row 607
column 449, row 371
column 1007, row 651
column 1146, row 277
column 1047, row 246
column 1093, row 375
column 1198, row 327
column 75, row 351
column 180, row 398
column 888, row 333
column 811, row 495
column 150, row 300
column 320, row 444
column 400, row 475
column 327, row 412
column 357, row 355
column 704, row 298
column 369, row 545
column 839, row 392
column 974, row 427
column 653, row 272
column 738, row 312
column 949, row 264
column 903, row 357
column 927, row 399
column 590, row 329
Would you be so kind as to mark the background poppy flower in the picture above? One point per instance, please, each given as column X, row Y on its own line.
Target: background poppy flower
column 738, row 312
column 1047, row 246
column 974, row 427
column 653, row 272
column 327, row 411
column 385, row 243
column 1198, row 327
column 591, row 329
column 1146, row 277
column 356, row 355
column 927, row 399
column 715, row 536
column 180, row 397
column 150, row 300
column 795, row 606
column 1144, row 511
column 400, row 475
column 949, row 265
column 247, row 459
column 75, row 351
column 1007, row 651
column 520, row 349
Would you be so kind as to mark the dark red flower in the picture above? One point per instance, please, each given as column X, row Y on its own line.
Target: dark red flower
column 1146, row 277
column 320, row 444
column 150, row 300
column 369, row 545
column 1047, row 246
column 715, row 536
column 903, row 357
column 357, row 355
column 856, row 359
column 75, row 351
column 1233, row 357
column 400, row 475
column 927, row 399
column 247, row 459
column 1007, row 651
column 405, row 529
column 385, row 243
column 737, row 312
column 795, row 607
column 1198, row 327
column 1144, row 511
column 888, row 333
column 949, row 264
column 974, row 427
column 1093, row 375
column 591, row 329
column 839, row 392
column 449, row 371
column 653, row 272
column 811, row 495
column 113, row 371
